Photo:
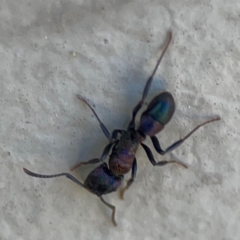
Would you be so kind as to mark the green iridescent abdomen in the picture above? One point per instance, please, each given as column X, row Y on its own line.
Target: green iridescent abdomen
column 159, row 113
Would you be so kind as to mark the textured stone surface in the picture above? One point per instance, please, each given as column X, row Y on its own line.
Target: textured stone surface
column 105, row 50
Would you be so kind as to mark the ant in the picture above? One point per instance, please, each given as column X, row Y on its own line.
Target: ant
column 124, row 143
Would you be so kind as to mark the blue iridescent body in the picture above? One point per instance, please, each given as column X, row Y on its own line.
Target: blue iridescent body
column 159, row 112
column 105, row 179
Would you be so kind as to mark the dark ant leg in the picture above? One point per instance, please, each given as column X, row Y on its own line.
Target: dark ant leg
column 69, row 176
column 103, row 127
column 113, row 210
column 157, row 146
column 77, row 182
column 95, row 160
column 161, row 163
column 130, row 181
column 147, row 86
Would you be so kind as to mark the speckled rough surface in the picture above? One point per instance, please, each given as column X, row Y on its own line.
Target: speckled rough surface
column 105, row 50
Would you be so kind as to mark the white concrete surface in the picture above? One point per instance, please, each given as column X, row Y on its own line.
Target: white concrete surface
column 105, row 50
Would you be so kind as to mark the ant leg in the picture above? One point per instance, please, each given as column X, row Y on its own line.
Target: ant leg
column 103, row 127
column 148, row 85
column 113, row 210
column 95, row 160
column 161, row 163
column 53, row 176
column 130, row 181
column 176, row 144
column 37, row 175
